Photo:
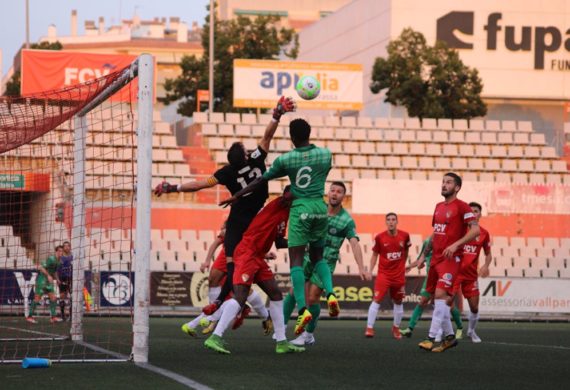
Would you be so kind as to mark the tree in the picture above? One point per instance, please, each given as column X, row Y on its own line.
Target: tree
column 13, row 85
column 257, row 38
column 430, row 81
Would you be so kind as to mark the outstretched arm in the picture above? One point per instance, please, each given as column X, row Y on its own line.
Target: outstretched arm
column 191, row 186
column 244, row 191
column 283, row 105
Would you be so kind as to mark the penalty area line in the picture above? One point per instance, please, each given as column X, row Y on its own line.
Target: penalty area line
column 174, row 376
column 561, row 347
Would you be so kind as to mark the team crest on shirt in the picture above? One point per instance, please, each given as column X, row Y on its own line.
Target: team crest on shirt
column 244, row 277
column 304, row 216
column 447, row 276
column 401, row 244
column 448, row 214
column 332, row 231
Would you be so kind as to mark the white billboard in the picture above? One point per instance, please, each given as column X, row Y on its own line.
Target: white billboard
column 260, row 83
column 521, row 48
column 523, row 295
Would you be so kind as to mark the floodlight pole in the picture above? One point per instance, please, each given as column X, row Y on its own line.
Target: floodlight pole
column 27, row 24
column 143, row 209
column 211, row 60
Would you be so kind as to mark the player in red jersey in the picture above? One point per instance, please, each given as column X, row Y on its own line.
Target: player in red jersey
column 267, row 227
column 454, row 225
column 392, row 247
column 216, row 279
column 467, row 280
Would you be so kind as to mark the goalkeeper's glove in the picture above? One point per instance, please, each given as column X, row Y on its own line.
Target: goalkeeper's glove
column 283, row 105
column 165, row 188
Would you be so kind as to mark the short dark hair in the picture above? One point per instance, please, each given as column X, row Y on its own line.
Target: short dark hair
column 477, row 205
column 390, row 214
column 299, row 130
column 236, row 155
column 66, row 242
column 58, row 247
column 339, row 184
column 456, row 178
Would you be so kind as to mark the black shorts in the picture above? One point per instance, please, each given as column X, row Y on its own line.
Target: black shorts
column 236, row 225
column 65, row 285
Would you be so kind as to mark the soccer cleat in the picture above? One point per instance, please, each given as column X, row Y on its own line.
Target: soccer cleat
column 55, row 320
column 459, row 333
column 267, row 326
column 407, row 332
column 210, row 328
column 396, row 332
column 369, row 332
column 31, row 320
column 473, row 336
column 427, row 344
column 188, row 330
column 449, row 342
column 204, row 322
column 305, row 338
column 303, row 320
column 216, row 343
column 287, row 347
column 241, row 316
column 211, row 308
column 334, row 307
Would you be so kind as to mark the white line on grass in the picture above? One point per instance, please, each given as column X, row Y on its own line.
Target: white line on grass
column 529, row 345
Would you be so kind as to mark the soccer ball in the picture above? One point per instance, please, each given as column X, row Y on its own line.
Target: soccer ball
column 308, row 87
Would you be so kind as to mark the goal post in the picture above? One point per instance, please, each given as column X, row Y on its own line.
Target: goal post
column 98, row 135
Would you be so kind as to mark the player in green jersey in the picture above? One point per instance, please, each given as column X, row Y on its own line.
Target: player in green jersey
column 424, row 258
column 44, row 285
column 307, row 167
column 341, row 226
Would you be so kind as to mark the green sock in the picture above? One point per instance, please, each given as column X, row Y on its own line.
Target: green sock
column 416, row 315
column 52, row 306
column 315, row 310
column 324, row 272
column 298, row 281
column 33, row 306
column 456, row 315
column 288, row 307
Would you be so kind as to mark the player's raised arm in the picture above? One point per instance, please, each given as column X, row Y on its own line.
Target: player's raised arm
column 191, row 186
column 283, row 105
column 241, row 193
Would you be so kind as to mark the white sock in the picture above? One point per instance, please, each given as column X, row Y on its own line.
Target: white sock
column 437, row 318
column 215, row 316
column 194, row 323
column 276, row 310
column 372, row 314
column 213, row 293
column 229, row 314
column 446, row 323
column 258, row 305
column 398, row 314
column 473, row 319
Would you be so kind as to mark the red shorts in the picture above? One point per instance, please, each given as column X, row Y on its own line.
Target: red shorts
column 220, row 263
column 382, row 285
column 469, row 287
column 250, row 267
column 443, row 275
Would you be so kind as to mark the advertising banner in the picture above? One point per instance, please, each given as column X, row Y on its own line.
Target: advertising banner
column 260, row 83
column 15, row 285
column 117, row 288
column 369, row 197
column 44, row 70
column 170, row 288
column 28, row 181
column 515, row 295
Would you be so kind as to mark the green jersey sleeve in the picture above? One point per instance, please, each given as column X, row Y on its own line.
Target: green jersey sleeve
column 351, row 231
column 276, row 170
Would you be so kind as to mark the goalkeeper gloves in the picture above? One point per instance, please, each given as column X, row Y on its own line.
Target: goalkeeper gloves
column 165, row 188
column 283, row 105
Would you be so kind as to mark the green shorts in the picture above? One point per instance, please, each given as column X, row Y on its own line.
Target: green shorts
column 43, row 287
column 308, row 222
column 311, row 276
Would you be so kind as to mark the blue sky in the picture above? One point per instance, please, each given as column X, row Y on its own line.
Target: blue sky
column 58, row 12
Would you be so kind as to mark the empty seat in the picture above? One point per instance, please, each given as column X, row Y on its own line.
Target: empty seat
column 509, row 165
column 548, row 152
column 391, row 135
column 393, row 162
column 499, row 151
column 359, row 134
column 359, row 161
column 433, row 149
column 343, row 133
column 559, row 166
column 532, row 152
column 515, row 152
column 456, row 137
column 409, row 162
column 383, row 148
column 521, row 138
column 423, row 136
column 417, row 149
column 342, row 160
column 493, row 125
column 412, row 123
column 526, row 165
column 408, row 136
column 466, row 150
column 350, row 147
column 458, row 162
column 536, row 178
column 505, row 138
column 450, row 150
column 364, row 121
column 367, row 147
column 537, row 139
column 326, row 133
column 429, row 123
column 400, row 148
column 375, row 135
column 492, row 165
column 397, row 123
column 443, row 163
column 348, row 121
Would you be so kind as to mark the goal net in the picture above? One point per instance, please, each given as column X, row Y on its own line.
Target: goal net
column 71, row 162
